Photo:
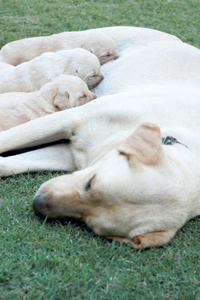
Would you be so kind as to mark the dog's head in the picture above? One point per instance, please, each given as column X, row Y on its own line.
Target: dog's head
column 70, row 91
column 134, row 193
column 86, row 66
column 101, row 45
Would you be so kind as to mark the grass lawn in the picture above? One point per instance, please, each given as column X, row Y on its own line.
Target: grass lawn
column 52, row 260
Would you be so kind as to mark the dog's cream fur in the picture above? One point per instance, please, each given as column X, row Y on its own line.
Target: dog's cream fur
column 32, row 75
column 126, row 185
column 23, row 50
column 5, row 66
column 64, row 92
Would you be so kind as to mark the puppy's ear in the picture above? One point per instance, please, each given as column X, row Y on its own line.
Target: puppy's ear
column 146, row 240
column 61, row 100
column 144, row 145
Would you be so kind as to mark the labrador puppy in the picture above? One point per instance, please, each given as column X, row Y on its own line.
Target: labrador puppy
column 23, row 50
column 31, row 76
column 64, row 92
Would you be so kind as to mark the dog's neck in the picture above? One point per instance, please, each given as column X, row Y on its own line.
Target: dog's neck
column 48, row 93
column 188, row 145
column 40, row 105
column 187, row 162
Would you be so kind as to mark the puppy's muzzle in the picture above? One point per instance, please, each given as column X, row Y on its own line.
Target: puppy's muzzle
column 116, row 55
column 99, row 78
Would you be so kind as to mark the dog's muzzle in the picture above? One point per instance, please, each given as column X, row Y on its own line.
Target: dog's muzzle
column 40, row 207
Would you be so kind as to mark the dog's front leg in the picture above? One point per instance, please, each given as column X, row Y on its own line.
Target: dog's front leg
column 40, row 131
column 51, row 158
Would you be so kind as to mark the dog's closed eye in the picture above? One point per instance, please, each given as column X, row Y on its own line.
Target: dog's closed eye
column 89, row 183
column 82, row 96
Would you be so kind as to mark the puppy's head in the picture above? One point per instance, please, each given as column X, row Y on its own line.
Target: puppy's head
column 86, row 66
column 70, row 91
column 101, row 45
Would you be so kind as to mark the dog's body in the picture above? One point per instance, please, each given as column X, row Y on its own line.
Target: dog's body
column 64, row 92
column 23, row 50
column 5, row 66
column 32, row 75
column 127, row 184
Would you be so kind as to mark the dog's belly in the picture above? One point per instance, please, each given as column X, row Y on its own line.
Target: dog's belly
column 159, row 63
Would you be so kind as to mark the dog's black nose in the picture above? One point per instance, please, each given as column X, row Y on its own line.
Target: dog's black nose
column 37, row 206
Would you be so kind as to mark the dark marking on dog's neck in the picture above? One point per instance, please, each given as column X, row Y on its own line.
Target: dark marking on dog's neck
column 170, row 140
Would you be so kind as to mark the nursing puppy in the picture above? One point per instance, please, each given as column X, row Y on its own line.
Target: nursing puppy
column 31, row 76
column 64, row 92
column 23, row 50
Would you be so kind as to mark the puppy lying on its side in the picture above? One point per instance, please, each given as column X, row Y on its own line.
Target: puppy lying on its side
column 31, row 76
column 23, row 50
column 64, row 92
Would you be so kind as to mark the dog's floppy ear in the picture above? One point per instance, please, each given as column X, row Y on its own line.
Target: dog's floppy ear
column 61, row 100
column 146, row 240
column 143, row 145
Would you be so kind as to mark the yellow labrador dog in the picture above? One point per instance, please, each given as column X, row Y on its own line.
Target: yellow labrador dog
column 32, row 75
column 23, row 50
column 64, row 92
column 134, row 152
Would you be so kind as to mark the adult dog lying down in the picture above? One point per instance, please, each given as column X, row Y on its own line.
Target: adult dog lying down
column 134, row 154
column 23, row 50
column 64, row 92
column 31, row 76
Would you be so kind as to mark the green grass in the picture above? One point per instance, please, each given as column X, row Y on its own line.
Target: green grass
column 52, row 260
